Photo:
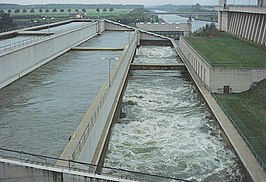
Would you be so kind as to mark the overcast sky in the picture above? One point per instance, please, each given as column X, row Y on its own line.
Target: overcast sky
column 144, row 2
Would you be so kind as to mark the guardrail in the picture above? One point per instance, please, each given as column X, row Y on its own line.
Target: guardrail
column 30, row 158
column 259, row 160
column 36, row 39
column 97, row 111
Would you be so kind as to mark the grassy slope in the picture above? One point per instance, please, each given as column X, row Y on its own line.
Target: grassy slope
column 248, row 110
column 223, row 49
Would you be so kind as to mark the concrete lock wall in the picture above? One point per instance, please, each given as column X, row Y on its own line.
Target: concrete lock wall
column 198, row 63
column 111, row 25
column 91, row 134
column 215, row 78
column 18, row 62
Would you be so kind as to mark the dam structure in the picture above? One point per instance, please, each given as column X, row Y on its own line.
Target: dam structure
column 67, row 93
column 247, row 22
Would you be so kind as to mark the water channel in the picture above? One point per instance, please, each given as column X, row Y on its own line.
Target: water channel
column 40, row 111
column 166, row 127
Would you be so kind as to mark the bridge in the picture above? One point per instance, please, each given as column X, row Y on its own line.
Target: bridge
column 205, row 13
column 86, row 147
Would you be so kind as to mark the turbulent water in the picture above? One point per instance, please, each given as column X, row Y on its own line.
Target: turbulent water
column 167, row 129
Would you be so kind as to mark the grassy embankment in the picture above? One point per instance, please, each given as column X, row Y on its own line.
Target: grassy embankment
column 224, row 50
column 248, row 111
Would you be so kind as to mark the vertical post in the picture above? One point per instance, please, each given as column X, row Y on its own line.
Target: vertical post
column 109, row 60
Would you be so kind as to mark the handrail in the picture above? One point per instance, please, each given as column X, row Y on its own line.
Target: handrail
column 126, row 173
column 96, row 113
column 259, row 160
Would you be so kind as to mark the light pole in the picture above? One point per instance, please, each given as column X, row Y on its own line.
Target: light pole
column 109, row 67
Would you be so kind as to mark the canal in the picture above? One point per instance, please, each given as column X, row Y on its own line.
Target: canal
column 167, row 129
column 39, row 112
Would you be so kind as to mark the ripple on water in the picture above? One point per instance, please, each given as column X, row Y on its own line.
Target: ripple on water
column 168, row 130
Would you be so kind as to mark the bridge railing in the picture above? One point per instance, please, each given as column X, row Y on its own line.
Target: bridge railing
column 253, row 151
column 92, row 120
column 18, row 44
column 42, row 160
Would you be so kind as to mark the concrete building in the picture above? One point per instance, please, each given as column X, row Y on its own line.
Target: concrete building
column 248, row 22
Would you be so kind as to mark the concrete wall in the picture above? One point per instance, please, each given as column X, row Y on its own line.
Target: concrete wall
column 20, row 61
column 215, row 78
column 111, row 25
column 200, row 65
column 13, row 171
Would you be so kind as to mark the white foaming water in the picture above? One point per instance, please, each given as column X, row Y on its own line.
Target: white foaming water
column 156, row 55
column 168, row 130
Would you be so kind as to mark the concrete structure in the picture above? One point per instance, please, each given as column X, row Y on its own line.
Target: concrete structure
column 167, row 29
column 220, row 79
column 248, row 22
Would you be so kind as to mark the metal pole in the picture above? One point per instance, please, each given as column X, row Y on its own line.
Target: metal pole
column 109, row 72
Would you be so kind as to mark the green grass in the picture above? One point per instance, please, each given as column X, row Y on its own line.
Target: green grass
column 224, row 50
column 248, row 111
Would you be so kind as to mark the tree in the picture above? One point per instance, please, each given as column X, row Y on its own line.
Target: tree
column 9, row 11
column 77, row 10
column 69, row 10
column 40, row 10
column 83, row 10
column 98, row 10
column 62, row 10
column 47, row 10
column 32, row 10
column 104, row 10
column 24, row 11
column 54, row 10
column 111, row 9
column 5, row 20
column 17, row 11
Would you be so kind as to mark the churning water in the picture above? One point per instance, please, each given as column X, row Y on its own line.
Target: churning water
column 167, row 129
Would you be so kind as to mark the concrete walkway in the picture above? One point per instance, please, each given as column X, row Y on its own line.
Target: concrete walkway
column 242, row 150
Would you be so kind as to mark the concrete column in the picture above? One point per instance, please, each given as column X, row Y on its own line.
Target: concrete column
column 257, row 28
column 219, row 26
column 261, row 24
column 248, row 26
column 224, row 21
column 238, row 23
column 263, row 39
column 231, row 23
column 235, row 23
column 244, row 25
column 251, row 26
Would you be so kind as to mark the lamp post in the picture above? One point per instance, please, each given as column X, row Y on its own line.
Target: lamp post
column 109, row 67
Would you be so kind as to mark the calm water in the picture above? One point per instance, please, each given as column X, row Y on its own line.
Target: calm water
column 196, row 24
column 167, row 129
column 39, row 112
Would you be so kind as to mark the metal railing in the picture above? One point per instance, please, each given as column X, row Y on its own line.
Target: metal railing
column 14, row 45
column 41, row 160
column 253, row 151
column 102, row 101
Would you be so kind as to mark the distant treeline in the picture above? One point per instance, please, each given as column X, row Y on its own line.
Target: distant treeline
column 184, row 8
column 66, row 6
